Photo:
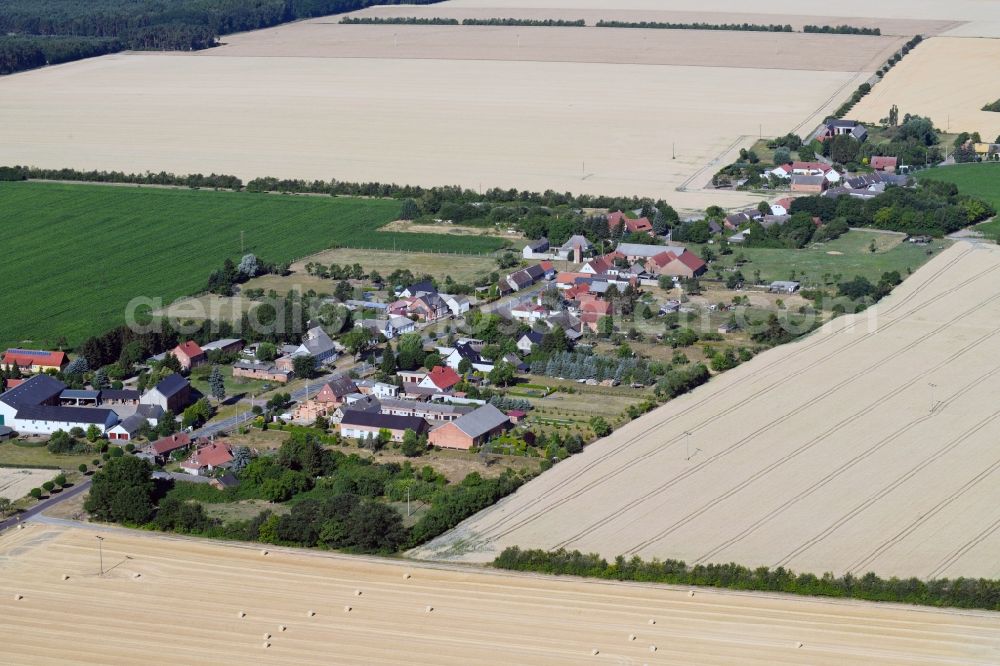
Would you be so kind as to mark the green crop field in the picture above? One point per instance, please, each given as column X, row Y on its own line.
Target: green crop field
column 979, row 180
column 76, row 254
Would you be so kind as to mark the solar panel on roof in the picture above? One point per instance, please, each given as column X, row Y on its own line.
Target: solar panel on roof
column 30, row 352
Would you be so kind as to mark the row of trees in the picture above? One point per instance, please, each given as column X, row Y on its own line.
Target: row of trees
column 659, row 25
column 841, row 30
column 195, row 180
column 960, row 593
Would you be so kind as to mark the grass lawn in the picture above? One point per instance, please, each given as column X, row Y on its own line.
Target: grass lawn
column 12, row 454
column 234, row 385
column 79, row 253
column 846, row 256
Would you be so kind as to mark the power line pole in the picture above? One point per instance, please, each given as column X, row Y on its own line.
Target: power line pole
column 687, row 445
column 100, row 553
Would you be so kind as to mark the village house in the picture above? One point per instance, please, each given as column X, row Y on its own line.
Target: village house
column 428, row 307
column 812, row 169
column 31, row 361
column 127, row 429
column 319, row 345
column 453, row 356
column 441, row 378
column 260, row 370
column 159, row 452
column 575, row 249
column 628, row 225
column 189, row 355
column 839, row 127
column 472, row 429
column 172, row 394
column 884, row 163
column 388, row 328
column 208, row 458
column 417, row 289
column 685, row 264
column 457, row 304
column 530, row 312
column 335, row 391
column 378, row 389
column 365, row 425
column 356, row 402
column 809, row 184
column 536, row 249
column 529, row 340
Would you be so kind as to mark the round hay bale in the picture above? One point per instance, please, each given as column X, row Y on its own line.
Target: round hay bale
column 652, row 621
column 310, row 613
column 282, row 627
column 347, row 609
column 263, row 552
column 652, row 648
column 241, row 614
column 429, row 609
column 406, row 576
column 798, row 644
column 357, row 593
column 631, row 637
column 267, row 636
column 595, row 652
column 266, row 644
column 65, row 576
column 691, row 593
column 18, row 597
column 137, row 575
column 21, row 526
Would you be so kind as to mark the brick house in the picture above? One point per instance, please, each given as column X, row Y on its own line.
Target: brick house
column 473, row 429
column 189, row 355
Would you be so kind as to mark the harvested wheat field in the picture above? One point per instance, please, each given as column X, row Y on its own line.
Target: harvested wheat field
column 948, row 79
column 16, row 483
column 978, row 17
column 172, row 600
column 568, row 109
column 867, row 446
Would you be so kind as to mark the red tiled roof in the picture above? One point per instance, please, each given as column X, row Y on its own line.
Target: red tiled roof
column 691, row 260
column 546, row 266
column 443, row 377
column 565, row 277
column 212, row 455
column 663, row 258
column 631, row 226
column 170, row 443
column 595, row 306
column 30, row 357
column 190, row 349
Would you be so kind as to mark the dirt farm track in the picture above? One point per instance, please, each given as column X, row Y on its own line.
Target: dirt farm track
column 172, row 600
column 870, row 445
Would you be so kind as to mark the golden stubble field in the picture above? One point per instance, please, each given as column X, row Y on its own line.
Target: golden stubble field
column 867, row 446
column 948, row 79
column 602, row 111
column 175, row 600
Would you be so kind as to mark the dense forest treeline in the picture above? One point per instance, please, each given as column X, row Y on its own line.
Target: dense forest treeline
column 38, row 29
column 958, row 593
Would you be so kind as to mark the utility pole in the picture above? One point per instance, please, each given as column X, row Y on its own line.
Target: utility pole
column 673, row 151
column 100, row 553
column 687, row 445
column 933, row 403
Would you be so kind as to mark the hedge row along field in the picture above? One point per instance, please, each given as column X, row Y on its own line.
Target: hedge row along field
column 81, row 252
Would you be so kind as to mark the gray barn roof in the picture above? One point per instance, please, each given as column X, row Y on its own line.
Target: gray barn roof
column 33, row 391
column 481, row 421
